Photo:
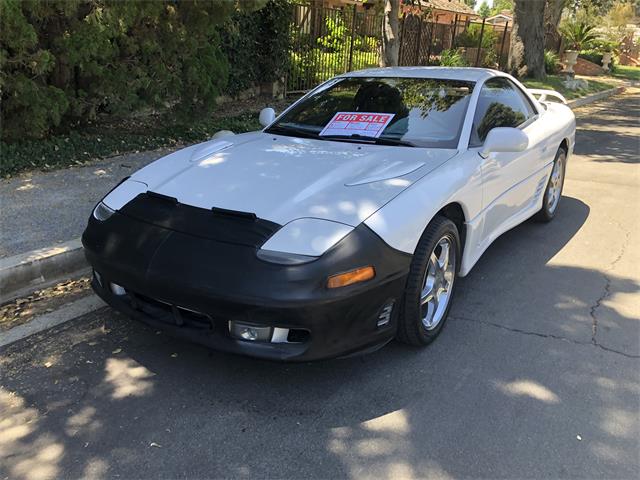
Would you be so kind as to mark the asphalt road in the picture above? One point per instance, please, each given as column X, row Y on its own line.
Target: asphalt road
column 536, row 374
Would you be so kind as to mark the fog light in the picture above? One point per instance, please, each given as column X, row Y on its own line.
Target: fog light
column 250, row 333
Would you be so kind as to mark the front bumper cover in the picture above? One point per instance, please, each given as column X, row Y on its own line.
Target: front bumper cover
column 192, row 286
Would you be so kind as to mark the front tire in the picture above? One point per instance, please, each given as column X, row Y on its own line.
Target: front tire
column 430, row 284
column 553, row 192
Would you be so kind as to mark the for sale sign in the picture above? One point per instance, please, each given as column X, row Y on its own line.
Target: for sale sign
column 357, row 123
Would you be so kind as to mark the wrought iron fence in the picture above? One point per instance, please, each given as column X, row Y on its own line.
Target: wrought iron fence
column 330, row 41
column 478, row 44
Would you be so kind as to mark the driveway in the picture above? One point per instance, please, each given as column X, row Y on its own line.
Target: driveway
column 535, row 375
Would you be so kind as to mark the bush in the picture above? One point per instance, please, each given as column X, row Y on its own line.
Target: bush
column 578, row 34
column 452, row 58
column 256, row 44
column 595, row 56
column 591, row 55
column 66, row 62
column 471, row 37
column 551, row 62
column 332, row 54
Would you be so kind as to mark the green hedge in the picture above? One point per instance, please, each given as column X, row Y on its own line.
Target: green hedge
column 65, row 62
column 595, row 56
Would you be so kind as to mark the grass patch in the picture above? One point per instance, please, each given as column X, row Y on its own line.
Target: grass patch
column 95, row 141
column 555, row 82
column 627, row 72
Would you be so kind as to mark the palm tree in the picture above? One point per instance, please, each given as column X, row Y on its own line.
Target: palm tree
column 578, row 35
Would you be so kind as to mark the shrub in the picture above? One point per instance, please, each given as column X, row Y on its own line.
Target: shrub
column 595, row 56
column 256, row 43
column 471, row 36
column 452, row 58
column 578, row 34
column 551, row 62
column 65, row 62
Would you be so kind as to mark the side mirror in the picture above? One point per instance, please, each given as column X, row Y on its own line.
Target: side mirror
column 267, row 116
column 504, row 139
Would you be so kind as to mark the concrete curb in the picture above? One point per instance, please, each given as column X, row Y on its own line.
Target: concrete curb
column 22, row 274
column 49, row 320
column 579, row 102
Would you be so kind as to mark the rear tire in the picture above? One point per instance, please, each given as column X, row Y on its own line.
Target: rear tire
column 430, row 283
column 553, row 192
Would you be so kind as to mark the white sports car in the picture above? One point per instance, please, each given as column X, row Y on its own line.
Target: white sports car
column 340, row 226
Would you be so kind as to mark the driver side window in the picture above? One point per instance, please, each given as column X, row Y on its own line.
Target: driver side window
column 500, row 104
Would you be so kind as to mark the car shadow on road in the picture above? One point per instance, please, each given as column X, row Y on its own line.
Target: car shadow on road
column 512, row 383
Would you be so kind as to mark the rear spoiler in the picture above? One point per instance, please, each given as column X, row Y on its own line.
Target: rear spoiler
column 541, row 95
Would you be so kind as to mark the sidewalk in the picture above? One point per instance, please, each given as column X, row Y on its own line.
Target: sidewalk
column 42, row 209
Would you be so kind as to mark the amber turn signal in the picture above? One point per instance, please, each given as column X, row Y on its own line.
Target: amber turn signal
column 351, row 277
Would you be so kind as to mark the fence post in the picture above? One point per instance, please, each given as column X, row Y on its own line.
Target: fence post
column 431, row 29
column 401, row 48
column 480, row 42
column 504, row 37
column 353, row 36
column 418, row 43
column 453, row 33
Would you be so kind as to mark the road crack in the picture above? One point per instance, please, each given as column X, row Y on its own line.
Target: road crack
column 545, row 335
column 607, row 287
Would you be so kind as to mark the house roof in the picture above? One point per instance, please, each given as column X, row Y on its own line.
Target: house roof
column 504, row 15
column 455, row 6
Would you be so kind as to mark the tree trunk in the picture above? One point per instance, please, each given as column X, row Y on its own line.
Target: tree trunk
column 390, row 34
column 526, row 53
column 552, row 15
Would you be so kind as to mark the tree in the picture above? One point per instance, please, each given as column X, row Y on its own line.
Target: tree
column 552, row 16
column 390, row 34
column 526, row 53
column 592, row 7
column 621, row 14
column 500, row 5
column 485, row 10
column 470, row 3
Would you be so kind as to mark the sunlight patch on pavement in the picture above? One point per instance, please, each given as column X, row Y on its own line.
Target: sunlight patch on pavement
column 95, row 469
column 127, row 378
column 394, row 422
column 83, row 420
column 383, row 447
column 34, row 456
column 528, row 388
column 618, row 423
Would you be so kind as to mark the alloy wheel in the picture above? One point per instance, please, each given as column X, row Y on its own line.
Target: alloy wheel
column 438, row 283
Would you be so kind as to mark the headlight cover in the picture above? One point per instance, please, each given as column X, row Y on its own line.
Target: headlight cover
column 302, row 241
column 102, row 212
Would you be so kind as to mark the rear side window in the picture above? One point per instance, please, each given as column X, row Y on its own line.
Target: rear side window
column 500, row 104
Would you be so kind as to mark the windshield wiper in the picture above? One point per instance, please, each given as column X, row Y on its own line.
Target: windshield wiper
column 365, row 139
column 292, row 131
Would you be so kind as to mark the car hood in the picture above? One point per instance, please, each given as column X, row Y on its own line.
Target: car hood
column 281, row 178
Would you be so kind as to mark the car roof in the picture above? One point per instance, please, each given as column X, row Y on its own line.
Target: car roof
column 470, row 74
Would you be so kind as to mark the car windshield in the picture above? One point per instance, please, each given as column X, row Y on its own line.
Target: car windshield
column 414, row 112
